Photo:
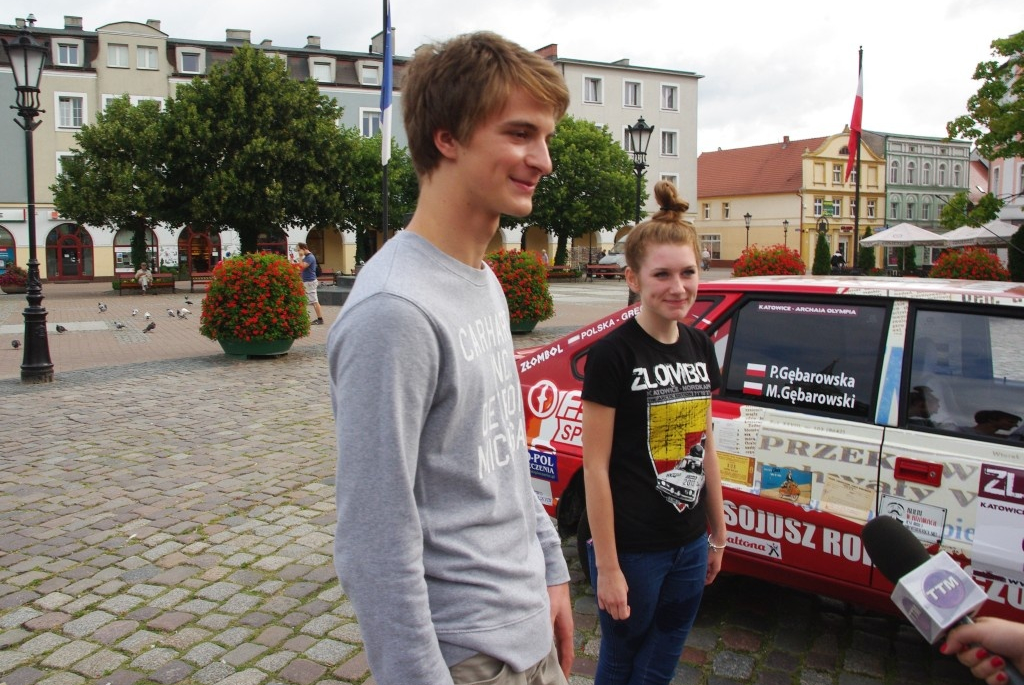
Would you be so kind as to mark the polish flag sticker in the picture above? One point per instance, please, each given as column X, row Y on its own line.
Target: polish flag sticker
column 752, row 388
column 756, row 370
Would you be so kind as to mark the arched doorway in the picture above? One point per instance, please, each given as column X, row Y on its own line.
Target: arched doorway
column 198, row 250
column 123, row 251
column 7, row 255
column 275, row 242
column 69, row 254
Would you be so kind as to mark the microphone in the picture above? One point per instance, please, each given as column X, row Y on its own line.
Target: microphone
column 933, row 592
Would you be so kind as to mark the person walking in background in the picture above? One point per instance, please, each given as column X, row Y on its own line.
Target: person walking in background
column 705, row 259
column 544, row 258
column 309, row 282
column 653, row 486
column 454, row 569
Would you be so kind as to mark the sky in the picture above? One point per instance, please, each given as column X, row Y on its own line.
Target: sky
column 770, row 69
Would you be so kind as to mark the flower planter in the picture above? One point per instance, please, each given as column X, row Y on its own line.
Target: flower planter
column 255, row 348
column 14, row 289
column 523, row 326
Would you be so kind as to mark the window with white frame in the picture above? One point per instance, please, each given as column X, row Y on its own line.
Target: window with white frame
column 942, row 175
column 926, row 210
column 61, row 158
column 631, row 94
column 370, row 122
column 191, row 60
column 819, row 206
column 712, row 241
column 671, row 178
column 627, row 141
column 369, row 75
column 911, row 168
column 117, row 56
column 706, row 210
column 837, row 206
column 894, row 172
column 725, row 210
column 956, row 175
column 71, row 111
column 894, row 209
column 670, row 143
column 926, row 174
column 322, row 72
column 670, row 98
column 910, row 209
column 145, row 57
column 995, row 181
column 871, row 209
column 837, row 174
column 68, row 53
column 593, row 90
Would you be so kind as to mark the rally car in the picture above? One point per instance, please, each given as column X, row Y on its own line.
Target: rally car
column 842, row 398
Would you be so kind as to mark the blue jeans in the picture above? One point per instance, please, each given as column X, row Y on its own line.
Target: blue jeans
column 664, row 594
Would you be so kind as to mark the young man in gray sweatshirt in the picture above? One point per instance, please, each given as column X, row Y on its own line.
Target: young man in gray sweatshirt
column 453, row 567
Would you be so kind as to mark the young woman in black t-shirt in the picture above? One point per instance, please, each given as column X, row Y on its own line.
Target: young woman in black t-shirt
column 654, row 492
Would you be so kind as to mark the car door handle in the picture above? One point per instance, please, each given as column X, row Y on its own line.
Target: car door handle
column 918, row 471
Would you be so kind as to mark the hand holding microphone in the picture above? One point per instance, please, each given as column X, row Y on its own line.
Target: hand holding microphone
column 996, row 637
column 936, row 594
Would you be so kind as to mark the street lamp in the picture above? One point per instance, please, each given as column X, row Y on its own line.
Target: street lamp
column 746, row 220
column 639, row 138
column 785, row 232
column 27, row 58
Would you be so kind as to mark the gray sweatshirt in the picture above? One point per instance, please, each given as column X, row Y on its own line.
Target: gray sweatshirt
column 441, row 545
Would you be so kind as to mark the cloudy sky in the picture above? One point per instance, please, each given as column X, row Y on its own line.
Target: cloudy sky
column 770, row 69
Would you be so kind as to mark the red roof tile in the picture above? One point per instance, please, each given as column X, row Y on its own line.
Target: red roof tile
column 758, row 170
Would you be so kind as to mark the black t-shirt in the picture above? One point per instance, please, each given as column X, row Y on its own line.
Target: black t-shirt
column 661, row 395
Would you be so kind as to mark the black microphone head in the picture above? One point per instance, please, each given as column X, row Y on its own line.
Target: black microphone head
column 892, row 548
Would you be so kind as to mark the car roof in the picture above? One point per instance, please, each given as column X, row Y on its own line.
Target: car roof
column 1001, row 292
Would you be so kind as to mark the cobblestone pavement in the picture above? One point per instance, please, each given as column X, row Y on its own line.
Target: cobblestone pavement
column 170, row 521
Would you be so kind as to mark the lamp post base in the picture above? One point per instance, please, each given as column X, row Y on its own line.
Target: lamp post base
column 36, row 366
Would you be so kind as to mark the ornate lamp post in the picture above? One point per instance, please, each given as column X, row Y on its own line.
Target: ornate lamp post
column 27, row 58
column 639, row 138
column 785, row 232
column 746, row 219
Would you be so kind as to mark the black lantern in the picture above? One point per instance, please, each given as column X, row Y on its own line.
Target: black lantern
column 746, row 220
column 785, row 232
column 639, row 138
column 27, row 59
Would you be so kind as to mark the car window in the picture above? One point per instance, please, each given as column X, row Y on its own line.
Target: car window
column 820, row 355
column 966, row 375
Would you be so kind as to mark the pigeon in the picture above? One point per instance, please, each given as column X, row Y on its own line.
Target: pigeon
column 15, row 344
column 61, row 329
column 170, row 313
column 182, row 313
column 118, row 325
column 147, row 315
column 186, row 311
column 149, row 327
column 103, row 307
column 135, row 312
column 188, row 301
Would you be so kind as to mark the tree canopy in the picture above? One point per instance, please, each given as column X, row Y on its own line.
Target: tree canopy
column 250, row 148
column 114, row 177
column 592, row 186
column 960, row 211
column 995, row 114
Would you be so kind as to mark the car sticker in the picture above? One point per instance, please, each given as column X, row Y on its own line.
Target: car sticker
column 923, row 520
column 999, row 527
column 892, row 367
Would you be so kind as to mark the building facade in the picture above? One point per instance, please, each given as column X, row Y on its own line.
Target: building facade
column 1006, row 181
column 86, row 69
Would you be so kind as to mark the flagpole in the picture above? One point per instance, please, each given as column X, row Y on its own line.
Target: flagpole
column 856, row 187
column 385, row 118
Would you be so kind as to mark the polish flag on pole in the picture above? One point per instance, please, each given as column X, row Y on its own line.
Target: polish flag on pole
column 385, row 90
column 855, row 127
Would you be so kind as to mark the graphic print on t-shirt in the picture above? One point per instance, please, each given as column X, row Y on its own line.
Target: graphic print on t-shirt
column 676, row 420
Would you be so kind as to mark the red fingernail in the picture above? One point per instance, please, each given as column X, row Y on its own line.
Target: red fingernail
column 1001, row 678
column 981, row 653
column 997, row 662
column 944, row 648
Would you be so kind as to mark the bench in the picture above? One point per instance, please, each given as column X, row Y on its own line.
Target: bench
column 159, row 282
column 605, row 270
column 326, row 278
column 200, row 278
column 563, row 272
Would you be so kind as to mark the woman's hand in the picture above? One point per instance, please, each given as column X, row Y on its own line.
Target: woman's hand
column 612, row 593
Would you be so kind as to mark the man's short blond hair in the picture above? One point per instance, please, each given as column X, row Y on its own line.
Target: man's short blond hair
column 455, row 85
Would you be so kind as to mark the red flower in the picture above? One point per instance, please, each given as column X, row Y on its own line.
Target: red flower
column 524, row 281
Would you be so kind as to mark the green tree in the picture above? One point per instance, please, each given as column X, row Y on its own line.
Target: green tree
column 995, row 114
column 865, row 254
column 959, row 211
column 250, row 148
column 362, row 190
column 592, row 185
column 113, row 179
column 822, row 265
